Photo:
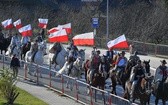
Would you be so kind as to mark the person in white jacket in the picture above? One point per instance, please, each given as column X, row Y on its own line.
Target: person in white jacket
column 25, row 40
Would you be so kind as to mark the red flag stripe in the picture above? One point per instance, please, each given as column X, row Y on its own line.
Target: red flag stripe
column 83, row 41
column 42, row 25
column 59, row 39
column 9, row 26
column 18, row 26
column 123, row 44
column 27, row 33
column 68, row 30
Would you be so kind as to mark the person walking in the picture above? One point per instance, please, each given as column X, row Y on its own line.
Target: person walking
column 14, row 65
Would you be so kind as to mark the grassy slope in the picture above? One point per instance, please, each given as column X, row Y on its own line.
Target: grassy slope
column 24, row 98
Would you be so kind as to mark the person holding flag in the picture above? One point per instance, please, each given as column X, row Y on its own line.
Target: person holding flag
column 14, row 41
column 25, row 40
column 39, row 38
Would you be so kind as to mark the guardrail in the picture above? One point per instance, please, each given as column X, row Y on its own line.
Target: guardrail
column 75, row 89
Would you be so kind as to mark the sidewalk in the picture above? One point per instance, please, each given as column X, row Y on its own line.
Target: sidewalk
column 41, row 92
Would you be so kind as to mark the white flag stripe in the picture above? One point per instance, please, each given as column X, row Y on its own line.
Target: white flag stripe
column 25, row 28
column 68, row 25
column 58, row 33
column 116, row 41
column 88, row 35
column 44, row 21
column 7, row 22
column 18, row 22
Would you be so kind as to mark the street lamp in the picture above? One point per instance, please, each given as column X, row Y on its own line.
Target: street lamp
column 107, row 22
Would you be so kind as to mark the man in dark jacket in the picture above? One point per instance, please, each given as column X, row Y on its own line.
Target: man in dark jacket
column 139, row 73
column 15, row 64
column 57, row 48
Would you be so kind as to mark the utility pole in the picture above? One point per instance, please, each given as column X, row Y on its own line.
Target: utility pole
column 107, row 22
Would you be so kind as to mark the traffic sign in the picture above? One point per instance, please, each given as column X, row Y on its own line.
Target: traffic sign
column 95, row 22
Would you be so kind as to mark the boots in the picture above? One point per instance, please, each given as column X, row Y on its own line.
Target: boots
column 132, row 89
column 54, row 58
column 70, row 67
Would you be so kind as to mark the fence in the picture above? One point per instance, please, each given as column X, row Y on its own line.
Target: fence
column 75, row 89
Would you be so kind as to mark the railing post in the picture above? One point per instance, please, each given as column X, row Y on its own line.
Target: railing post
column 110, row 100
column 50, row 74
column 25, row 71
column 155, row 49
column 62, row 80
column 91, row 94
column 3, row 53
column 37, row 71
column 76, row 83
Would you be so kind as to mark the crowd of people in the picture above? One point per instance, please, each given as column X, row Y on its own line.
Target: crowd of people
column 138, row 70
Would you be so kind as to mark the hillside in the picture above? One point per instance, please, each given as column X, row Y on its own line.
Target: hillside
column 142, row 20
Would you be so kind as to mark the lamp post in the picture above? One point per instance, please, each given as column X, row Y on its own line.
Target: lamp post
column 107, row 22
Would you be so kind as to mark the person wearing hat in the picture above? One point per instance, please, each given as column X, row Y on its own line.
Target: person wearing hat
column 138, row 73
column 57, row 48
column 109, row 54
column 34, row 49
column 94, row 65
column 39, row 38
column 161, row 75
column 121, row 63
column 161, row 72
column 134, row 57
column 14, row 41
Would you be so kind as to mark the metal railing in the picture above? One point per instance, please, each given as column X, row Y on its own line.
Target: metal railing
column 76, row 89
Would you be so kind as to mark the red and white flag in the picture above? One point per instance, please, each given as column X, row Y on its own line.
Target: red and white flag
column 67, row 27
column 118, row 43
column 17, row 24
column 52, row 30
column 26, row 30
column 58, row 36
column 42, row 23
column 84, row 39
column 7, row 24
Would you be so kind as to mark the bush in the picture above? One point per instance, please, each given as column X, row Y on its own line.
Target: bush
column 7, row 86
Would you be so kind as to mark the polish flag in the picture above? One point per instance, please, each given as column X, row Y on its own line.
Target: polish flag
column 84, row 39
column 52, row 30
column 26, row 30
column 17, row 24
column 58, row 36
column 42, row 23
column 67, row 27
column 7, row 24
column 118, row 43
